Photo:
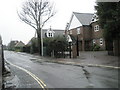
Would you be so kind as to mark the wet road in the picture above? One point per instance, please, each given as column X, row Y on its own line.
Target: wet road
column 32, row 74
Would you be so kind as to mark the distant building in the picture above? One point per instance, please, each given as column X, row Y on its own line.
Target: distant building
column 20, row 44
column 5, row 47
column 15, row 45
column 34, row 39
column 11, row 45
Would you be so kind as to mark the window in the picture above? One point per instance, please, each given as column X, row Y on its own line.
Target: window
column 93, row 41
column 78, row 30
column 101, row 41
column 49, row 34
column 70, row 31
column 96, row 28
column 94, row 18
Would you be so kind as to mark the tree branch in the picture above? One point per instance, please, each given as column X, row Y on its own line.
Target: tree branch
column 34, row 10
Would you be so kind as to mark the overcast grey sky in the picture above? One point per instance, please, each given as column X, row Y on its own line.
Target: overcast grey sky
column 12, row 28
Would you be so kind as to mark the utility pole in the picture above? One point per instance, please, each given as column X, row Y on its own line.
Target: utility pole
column 68, row 38
column 41, row 43
column 41, row 29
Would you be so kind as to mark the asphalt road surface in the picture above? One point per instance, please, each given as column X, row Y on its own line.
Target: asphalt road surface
column 29, row 73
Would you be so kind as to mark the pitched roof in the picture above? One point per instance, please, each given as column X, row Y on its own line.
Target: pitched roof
column 57, row 32
column 20, row 44
column 30, row 42
column 84, row 18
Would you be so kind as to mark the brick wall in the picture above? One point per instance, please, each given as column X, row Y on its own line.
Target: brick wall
column 86, row 36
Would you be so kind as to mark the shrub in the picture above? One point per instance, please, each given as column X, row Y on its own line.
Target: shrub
column 57, row 45
column 96, row 47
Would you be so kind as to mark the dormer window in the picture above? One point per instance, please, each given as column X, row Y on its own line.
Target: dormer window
column 96, row 28
column 94, row 18
column 50, row 33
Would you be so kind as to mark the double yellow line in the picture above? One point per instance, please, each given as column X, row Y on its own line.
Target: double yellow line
column 39, row 81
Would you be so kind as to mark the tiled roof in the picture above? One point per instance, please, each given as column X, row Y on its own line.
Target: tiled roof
column 30, row 42
column 84, row 18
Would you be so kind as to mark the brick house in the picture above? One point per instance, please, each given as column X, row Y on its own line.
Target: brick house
column 85, row 31
column 97, row 35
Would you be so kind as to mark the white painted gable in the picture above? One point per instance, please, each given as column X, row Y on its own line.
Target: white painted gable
column 74, row 22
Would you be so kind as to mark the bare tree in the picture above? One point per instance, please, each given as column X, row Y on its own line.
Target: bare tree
column 36, row 13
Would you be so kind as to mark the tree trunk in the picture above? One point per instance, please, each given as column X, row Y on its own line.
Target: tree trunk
column 119, row 47
column 39, row 41
column 116, row 47
column 109, row 47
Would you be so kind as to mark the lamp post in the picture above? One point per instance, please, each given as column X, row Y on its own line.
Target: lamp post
column 69, row 41
column 41, row 32
column 77, row 46
column 41, row 43
column 70, row 49
column 68, row 38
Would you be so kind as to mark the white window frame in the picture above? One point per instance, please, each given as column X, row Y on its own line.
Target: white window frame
column 70, row 31
column 49, row 34
column 96, row 28
column 101, row 41
column 78, row 30
column 94, row 41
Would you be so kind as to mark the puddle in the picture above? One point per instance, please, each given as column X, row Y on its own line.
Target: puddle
column 33, row 59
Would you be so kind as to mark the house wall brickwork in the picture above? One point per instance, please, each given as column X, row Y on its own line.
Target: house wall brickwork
column 87, row 35
column 98, row 35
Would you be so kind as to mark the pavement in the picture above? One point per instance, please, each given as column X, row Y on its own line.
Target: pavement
column 90, row 58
